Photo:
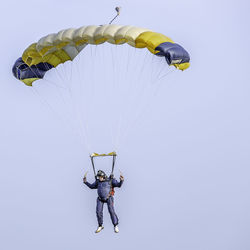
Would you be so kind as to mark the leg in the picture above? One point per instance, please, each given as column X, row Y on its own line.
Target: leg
column 111, row 209
column 99, row 212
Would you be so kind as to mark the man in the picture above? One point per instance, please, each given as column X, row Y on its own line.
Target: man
column 105, row 189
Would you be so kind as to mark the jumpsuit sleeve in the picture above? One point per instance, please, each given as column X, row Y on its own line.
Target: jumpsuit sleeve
column 92, row 186
column 115, row 183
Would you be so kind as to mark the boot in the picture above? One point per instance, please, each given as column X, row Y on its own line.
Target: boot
column 99, row 229
column 116, row 229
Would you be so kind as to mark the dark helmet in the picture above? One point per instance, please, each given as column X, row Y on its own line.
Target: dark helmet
column 101, row 173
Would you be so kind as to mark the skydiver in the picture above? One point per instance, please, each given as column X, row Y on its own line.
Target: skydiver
column 105, row 190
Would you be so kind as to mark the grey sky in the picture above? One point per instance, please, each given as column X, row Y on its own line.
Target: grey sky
column 186, row 163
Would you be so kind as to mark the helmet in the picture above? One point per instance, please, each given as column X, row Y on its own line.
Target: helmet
column 101, row 173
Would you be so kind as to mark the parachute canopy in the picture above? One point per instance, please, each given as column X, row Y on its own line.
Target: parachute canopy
column 65, row 45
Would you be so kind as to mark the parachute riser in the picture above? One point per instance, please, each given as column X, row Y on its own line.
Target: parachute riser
column 93, row 166
column 113, row 154
column 113, row 166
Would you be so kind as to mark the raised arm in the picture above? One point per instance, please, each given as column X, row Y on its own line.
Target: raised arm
column 115, row 183
column 92, row 186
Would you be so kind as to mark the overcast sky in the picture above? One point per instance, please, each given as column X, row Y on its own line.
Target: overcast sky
column 186, row 162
